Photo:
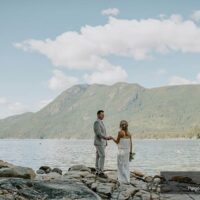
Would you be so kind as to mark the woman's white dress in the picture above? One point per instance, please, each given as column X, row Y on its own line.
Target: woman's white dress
column 123, row 172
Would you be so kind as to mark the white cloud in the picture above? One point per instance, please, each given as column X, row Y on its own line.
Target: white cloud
column 60, row 81
column 198, row 77
column 137, row 39
column 196, row 15
column 177, row 80
column 110, row 11
column 17, row 108
column 3, row 100
column 11, row 108
column 108, row 76
column 90, row 48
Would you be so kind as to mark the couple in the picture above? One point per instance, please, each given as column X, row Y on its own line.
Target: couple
column 124, row 143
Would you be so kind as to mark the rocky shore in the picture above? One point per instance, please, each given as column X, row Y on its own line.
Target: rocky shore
column 80, row 182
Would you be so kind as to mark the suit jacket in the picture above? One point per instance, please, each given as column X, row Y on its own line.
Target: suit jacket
column 99, row 131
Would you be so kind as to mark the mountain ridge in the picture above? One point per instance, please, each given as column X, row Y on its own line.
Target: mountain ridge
column 167, row 111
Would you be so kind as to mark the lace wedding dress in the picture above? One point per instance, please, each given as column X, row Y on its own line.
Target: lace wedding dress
column 123, row 172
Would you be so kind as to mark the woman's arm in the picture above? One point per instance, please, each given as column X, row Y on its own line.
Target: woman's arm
column 118, row 138
column 131, row 145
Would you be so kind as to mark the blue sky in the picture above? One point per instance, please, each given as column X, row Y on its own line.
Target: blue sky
column 48, row 46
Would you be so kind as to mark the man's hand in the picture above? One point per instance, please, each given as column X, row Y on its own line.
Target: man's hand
column 109, row 137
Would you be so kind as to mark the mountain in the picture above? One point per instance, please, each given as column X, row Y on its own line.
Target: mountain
column 170, row 111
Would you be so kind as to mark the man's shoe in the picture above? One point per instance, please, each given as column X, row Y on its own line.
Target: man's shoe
column 96, row 173
column 102, row 175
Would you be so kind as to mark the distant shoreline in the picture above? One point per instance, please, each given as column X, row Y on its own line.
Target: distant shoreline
column 75, row 139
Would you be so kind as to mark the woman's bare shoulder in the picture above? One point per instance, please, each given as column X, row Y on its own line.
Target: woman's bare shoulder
column 121, row 133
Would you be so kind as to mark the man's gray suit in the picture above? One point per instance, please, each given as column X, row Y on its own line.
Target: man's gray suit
column 100, row 144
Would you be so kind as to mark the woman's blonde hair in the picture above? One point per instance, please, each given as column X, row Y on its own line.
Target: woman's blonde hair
column 124, row 125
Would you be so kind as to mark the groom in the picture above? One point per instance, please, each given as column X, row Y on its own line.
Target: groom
column 100, row 142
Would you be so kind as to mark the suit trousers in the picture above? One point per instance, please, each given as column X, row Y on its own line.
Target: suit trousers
column 100, row 158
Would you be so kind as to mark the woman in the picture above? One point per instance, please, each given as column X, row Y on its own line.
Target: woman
column 124, row 143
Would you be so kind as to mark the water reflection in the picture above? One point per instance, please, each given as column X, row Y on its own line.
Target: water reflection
column 152, row 156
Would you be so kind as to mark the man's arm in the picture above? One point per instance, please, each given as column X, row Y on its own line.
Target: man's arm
column 97, row 130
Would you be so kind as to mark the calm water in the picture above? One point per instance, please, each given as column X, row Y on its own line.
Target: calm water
column 152, row 156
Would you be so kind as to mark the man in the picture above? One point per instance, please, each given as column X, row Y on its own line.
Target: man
column 100, row 142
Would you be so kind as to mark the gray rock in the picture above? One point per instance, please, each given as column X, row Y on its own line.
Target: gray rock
column 49, row 176
column 57, row 170
column 124, row 191
column 137, row 173
column 90, row 176
column 4, row 164
column 17, row 171
column 18, row 188
column 47, row 169
column 94, row 186
column 77, row 174
column 70, row 189
column 139, row 184
column 40, row 171
column 79, row 168
column 79, row 182
column 72, row 176
column 148, row 179
column 105, row 189
column 88, row 181
column 180, row 196
column 111, row 174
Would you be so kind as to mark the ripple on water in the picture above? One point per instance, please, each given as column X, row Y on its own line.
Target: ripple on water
column 152, row 156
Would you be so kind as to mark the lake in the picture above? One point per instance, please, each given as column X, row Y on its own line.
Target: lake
column 152, row 155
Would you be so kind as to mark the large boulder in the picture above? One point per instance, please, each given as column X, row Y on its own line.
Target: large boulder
column 58, row 189
column 4, row 164
column 79, row 182
column 17, row 171
column 16, row 188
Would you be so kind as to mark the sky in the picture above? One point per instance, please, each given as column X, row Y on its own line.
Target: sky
column 48, row 46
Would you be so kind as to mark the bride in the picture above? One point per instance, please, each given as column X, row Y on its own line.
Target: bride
column 124, row 143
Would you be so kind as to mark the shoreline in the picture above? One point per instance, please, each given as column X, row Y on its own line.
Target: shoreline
column 88, row 139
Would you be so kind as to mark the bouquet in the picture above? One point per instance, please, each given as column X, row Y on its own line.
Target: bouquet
column 131, row 156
